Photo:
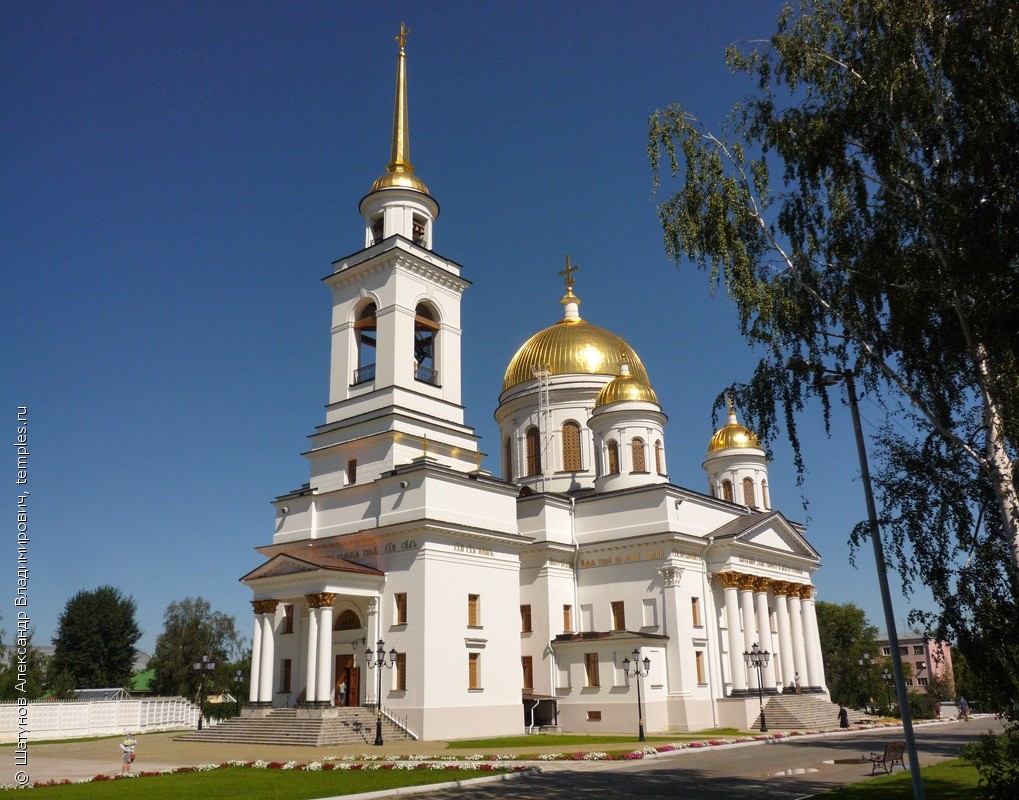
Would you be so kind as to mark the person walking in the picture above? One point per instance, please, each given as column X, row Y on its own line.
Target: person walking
column 796, row 681
column 127, row 753
column 341, row 693
column 964, row 709
column 843, row 717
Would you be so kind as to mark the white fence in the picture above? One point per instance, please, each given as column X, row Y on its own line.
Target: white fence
column 69, row 719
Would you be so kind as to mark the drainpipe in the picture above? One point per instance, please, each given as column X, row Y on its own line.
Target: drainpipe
column 576, row 560
column 530, row 728
column 711, row 639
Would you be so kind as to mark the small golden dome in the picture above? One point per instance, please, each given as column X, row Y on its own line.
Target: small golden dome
column 572, row 346
column 625, row 389
column 733, row 435
column 401, row 179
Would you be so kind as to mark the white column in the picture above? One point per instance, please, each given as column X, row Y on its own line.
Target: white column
column 764, row 631
column 812, row 642
column 311, row 654
column 678, row 633
column 373, row 631
column 736, row 668
column 785, row 642
column 324, row 693
column 265, row 663
column 256, row 655
column 796, row 627
column 746, row 596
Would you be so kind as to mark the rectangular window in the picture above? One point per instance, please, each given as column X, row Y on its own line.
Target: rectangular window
column 525, row 619
column 618, row 616
column 474, row 670
column 695, row 611
column 567, row 619
column 400, row 608
column 377, row 230
column 352, row 471
column 921, row 681
column 594, row 716
column 400, row 678
column 920, row 665
column 474, row 611
column 909, row 681
column 527, row 663
column 285, row 668
column 591, row 666
column 886, row 651
column 904, row 651
column 288, row 619
column 699, row 660
column 419, row 229
column 917, row 649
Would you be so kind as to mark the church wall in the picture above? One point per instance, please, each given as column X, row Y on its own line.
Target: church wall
column 546, row 587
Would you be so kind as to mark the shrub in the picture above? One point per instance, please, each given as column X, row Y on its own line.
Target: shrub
column 997, row 760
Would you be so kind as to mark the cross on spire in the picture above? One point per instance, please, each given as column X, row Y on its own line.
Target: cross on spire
column 568, row 273
column 401, row 37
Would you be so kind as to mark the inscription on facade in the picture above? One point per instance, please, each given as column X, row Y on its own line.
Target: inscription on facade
column 630, row 558
column 466, row 548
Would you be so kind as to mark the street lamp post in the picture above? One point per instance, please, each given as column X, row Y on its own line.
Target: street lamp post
column 888, row 685
column 638, row 673
column 238, row 680
column 377, row 661
column 757, row 658
column 830, row 377
column 865, row 664
column 202, row 667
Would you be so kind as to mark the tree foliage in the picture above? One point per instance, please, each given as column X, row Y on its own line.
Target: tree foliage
column 885, row 244
column 28, row 682
column 96, row 637
column 846, row 636
column 191, row 629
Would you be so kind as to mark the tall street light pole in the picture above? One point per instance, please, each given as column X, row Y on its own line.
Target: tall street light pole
column 829, row 378
column 377, row 661
column 638, row 673
column 888, row 686
column 202, row 667
column 757, row 659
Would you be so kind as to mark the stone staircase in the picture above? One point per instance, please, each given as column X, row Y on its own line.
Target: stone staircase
column 283, row 726
column 804, row 712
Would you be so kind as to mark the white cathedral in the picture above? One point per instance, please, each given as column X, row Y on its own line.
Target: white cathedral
column 504, row 603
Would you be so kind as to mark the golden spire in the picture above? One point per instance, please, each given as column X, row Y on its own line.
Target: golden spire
column 400, row 172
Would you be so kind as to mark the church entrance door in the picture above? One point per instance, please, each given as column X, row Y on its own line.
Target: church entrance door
column 347, row 673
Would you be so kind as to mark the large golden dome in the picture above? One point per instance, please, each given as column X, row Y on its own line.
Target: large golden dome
column 733, row 435
column 573, row 347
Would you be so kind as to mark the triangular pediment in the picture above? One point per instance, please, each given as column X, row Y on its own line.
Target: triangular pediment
column 291, row 564
column 768, row 531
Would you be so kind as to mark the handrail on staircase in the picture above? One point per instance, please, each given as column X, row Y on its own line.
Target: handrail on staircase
column 399, row 722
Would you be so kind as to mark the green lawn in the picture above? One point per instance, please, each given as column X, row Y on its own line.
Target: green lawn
column 949, row 780
column 573, row 740
column 253, row 784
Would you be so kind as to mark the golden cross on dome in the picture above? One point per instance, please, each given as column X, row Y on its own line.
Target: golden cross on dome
column 568, row 273
column 401, row 37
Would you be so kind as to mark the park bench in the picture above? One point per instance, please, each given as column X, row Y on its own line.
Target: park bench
column 887, row 759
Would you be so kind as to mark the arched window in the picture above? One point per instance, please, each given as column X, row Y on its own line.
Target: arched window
column 727, row 490
column 638, row 455
column 533, row 452
column 571, row 447
column 748, row 492
column 366, row 333
column 426, row 335
column 507, row 459
column 613, row 448
column 659, row 459
column 767, row 495
column 347, row 621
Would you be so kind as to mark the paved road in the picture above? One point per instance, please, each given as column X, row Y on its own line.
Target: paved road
column 787, row 769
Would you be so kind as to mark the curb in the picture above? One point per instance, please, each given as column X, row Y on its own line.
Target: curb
column 434, row 787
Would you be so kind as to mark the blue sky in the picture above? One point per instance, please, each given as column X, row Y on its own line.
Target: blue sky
column 178, row 178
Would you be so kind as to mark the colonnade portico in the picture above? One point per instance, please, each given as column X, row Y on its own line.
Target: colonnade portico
column 798, row 645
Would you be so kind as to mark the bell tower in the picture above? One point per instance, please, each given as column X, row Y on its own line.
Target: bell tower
column 395, row 387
